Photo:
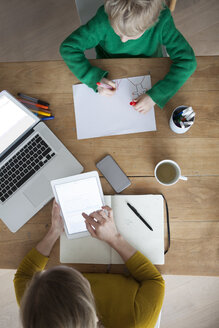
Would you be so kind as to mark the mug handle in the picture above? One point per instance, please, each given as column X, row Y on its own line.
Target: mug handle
column 183, row 178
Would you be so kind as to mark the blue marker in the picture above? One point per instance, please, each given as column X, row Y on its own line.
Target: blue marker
column 47, row 118
column 179, row 114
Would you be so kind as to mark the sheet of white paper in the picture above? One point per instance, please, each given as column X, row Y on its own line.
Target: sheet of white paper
column 98, row 116
column 76, row 197
column 150, row 243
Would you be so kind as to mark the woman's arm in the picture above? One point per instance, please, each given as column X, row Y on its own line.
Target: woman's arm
column 150, row 294
column 46, row 244
column 37, row 258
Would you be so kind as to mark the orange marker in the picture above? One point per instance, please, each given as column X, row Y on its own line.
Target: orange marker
column 31, row 103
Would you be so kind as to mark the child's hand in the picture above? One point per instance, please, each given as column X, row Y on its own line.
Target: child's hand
column 105, row 91
column 144, row 104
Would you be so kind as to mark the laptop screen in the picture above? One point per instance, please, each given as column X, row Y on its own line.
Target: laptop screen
column 14, row 120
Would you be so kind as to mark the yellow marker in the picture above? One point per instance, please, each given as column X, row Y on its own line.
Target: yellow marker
column 40, row 112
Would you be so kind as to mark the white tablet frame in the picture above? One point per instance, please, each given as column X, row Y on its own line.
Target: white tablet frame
column 77, row 177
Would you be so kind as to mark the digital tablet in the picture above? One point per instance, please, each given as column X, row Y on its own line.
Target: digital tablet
column 77, row 194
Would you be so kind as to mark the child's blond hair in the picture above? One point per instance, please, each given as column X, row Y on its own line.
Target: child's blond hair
column 132, row 17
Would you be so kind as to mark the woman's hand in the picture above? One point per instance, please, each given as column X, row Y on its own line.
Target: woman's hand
column 144, row 104
column 57, row 225
column 101, row 225
column 46, row 244
column 105, row 91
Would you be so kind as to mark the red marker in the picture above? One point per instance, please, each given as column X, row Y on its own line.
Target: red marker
column 133, row 103
column 103, row 85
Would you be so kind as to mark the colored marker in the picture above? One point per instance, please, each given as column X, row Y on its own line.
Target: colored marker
column 179, row 114
column 189, row 117
column 133, row 103
column 187, row 124
column 104, row 85
column 37, row 108
column 40, row 112
column 187, row 111
column 47, row 118
column 32, row 103
column 37, row 101
column 182, row 124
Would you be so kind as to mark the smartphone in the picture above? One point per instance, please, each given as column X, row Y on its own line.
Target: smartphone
column 113, row 174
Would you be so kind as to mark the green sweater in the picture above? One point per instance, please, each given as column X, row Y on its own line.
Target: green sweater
column 98, row 33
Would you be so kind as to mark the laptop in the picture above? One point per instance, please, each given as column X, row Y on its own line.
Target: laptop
column 30, row 157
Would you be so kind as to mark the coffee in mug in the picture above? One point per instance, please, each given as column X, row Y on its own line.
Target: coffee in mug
column 168, row 172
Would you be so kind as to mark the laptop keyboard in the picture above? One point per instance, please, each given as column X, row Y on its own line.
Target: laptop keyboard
column 34, row 155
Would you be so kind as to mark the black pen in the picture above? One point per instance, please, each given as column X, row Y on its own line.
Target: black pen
column 36, row 101
column 139, row 216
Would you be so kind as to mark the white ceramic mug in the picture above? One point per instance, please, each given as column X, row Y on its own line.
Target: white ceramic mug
column 168, row 172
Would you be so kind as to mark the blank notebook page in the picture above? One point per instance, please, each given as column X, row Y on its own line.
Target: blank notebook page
column 150, row 207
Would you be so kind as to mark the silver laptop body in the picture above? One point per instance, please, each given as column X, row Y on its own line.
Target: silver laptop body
column 25, row 188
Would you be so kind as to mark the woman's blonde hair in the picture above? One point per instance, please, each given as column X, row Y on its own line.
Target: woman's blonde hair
column 132, row 17
column 58, row 298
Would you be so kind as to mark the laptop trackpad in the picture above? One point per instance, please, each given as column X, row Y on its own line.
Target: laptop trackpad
column 38, row 191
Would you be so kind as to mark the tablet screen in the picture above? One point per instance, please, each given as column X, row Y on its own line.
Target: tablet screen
column 76, row 197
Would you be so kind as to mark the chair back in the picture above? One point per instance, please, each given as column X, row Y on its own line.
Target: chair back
column 87, row 9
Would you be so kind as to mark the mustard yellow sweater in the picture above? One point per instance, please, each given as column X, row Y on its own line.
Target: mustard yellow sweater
column 123, row 302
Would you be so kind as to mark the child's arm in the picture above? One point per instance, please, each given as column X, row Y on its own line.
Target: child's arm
column 72, row 50
column 143, row 103
column 183, row 62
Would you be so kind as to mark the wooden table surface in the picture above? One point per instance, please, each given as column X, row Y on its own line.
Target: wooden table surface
column 193, row 205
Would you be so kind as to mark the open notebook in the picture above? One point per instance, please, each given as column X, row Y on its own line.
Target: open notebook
column 150, row 243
